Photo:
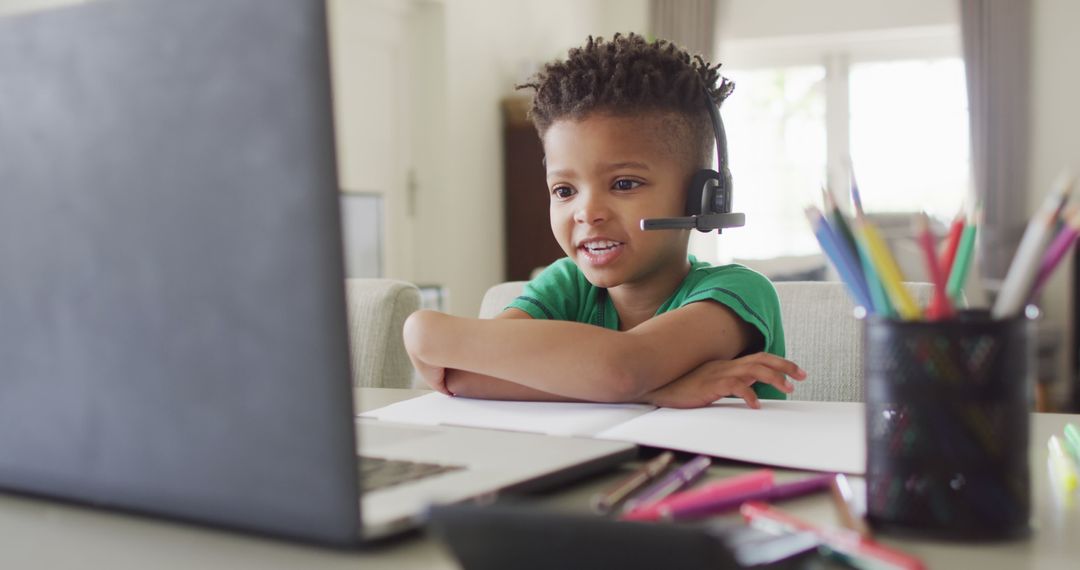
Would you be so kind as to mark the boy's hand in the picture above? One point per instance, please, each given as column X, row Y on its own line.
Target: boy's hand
column 720, row 378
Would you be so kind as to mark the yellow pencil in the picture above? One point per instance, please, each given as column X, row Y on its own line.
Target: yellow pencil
column 888, row 271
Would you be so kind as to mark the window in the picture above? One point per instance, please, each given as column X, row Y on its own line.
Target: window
column 796, row 116
column 909, row 135
column 776, row 143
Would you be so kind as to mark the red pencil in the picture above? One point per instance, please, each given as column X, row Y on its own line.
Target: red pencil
column 952, row 240
column 939, row 308
column 846, row 542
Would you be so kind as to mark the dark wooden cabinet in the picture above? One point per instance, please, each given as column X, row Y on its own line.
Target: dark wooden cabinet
column 529, row 242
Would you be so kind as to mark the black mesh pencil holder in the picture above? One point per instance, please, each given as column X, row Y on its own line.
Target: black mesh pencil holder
column 947, row 426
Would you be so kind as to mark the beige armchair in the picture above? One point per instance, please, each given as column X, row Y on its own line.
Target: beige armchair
column 377, row 309
column 820, row 331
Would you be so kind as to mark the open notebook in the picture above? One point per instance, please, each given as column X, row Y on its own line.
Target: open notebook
column 817, row 436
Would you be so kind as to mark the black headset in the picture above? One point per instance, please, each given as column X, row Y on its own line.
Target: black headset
column 708, row 199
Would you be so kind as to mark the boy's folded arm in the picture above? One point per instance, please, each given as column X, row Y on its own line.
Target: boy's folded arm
column 576, row 360
column 474, row 385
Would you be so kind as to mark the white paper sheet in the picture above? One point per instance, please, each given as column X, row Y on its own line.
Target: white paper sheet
column 817, row 436
column 552, row 418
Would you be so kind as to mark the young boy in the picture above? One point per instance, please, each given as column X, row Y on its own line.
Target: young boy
column 626, row 316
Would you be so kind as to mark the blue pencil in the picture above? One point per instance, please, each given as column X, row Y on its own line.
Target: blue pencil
column 840, row 258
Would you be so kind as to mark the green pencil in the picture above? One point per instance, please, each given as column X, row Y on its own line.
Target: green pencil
column 1072, row 441
column 964, row 253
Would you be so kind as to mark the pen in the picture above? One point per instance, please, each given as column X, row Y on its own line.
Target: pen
column 1063, row 470
column 607, row 500
column 843, row 499
column 717, row 505
column 674, row 481
column 731, row 486
column 865, row 552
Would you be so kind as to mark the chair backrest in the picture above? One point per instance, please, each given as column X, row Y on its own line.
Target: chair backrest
column 825, row 339
column 377, row 310
column 499, row 296
column 821, row 333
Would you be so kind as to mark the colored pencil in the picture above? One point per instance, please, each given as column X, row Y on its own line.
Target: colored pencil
column 1016, row 289
column 1056, row 252
column 844, row 236
column 885, row 264
column 839, row 256
column 964, row 252
column 940, row 307
column 878, row 298
column 952, row 241
column 877, row 286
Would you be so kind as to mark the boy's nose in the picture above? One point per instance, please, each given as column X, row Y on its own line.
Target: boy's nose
column 592, row 209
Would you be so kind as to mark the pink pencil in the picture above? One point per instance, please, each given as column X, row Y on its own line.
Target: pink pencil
column 753, row 481
column 1056, row 252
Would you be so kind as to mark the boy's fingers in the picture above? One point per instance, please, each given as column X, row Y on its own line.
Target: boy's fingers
column 769, row 376
column 782, row 364
column 747, row 393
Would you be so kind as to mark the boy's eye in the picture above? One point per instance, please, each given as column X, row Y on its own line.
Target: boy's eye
column 563, row 192
column 626, row 184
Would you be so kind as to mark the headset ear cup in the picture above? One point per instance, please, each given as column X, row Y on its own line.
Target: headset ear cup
column 693, row 193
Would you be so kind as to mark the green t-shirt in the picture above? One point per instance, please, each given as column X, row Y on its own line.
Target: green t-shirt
column 561, row 292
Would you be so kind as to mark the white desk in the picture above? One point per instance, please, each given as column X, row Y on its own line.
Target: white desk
column 45, row 534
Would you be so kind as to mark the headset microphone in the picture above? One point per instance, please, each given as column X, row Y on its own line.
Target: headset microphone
column 708, row 199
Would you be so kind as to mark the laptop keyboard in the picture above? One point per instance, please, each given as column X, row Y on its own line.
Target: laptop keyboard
column 379, row 473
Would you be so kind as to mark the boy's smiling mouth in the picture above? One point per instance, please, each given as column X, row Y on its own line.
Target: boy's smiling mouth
column 601, row 251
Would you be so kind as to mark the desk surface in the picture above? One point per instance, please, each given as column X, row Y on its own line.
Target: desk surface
column 46, row 534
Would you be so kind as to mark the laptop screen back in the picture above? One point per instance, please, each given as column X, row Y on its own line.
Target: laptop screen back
column 172, row 316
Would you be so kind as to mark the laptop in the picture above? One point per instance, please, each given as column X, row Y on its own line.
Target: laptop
column 172, row 316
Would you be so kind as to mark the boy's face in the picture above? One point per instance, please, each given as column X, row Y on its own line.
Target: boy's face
column 604, row 174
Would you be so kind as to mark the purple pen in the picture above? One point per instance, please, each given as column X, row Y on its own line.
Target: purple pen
column 731, row 502
column 674, row 481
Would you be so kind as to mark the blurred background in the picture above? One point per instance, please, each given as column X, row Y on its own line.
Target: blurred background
column 441, row 183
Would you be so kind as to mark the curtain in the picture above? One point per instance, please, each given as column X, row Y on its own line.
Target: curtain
column 691, row 24
column 996, row 43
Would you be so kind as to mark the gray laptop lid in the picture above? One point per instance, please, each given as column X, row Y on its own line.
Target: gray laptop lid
column 172, row 316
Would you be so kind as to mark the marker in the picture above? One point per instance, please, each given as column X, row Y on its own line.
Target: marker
column 607, row 500
column 674, row 481
column 865, row 553
column 843, row 500
column 717, row 505
column 668, row 507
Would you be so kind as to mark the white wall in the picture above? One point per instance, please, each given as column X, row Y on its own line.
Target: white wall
column 745, row 19
column 1055, row 136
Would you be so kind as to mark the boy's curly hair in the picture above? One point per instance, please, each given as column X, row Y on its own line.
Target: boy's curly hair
column 628, row 75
